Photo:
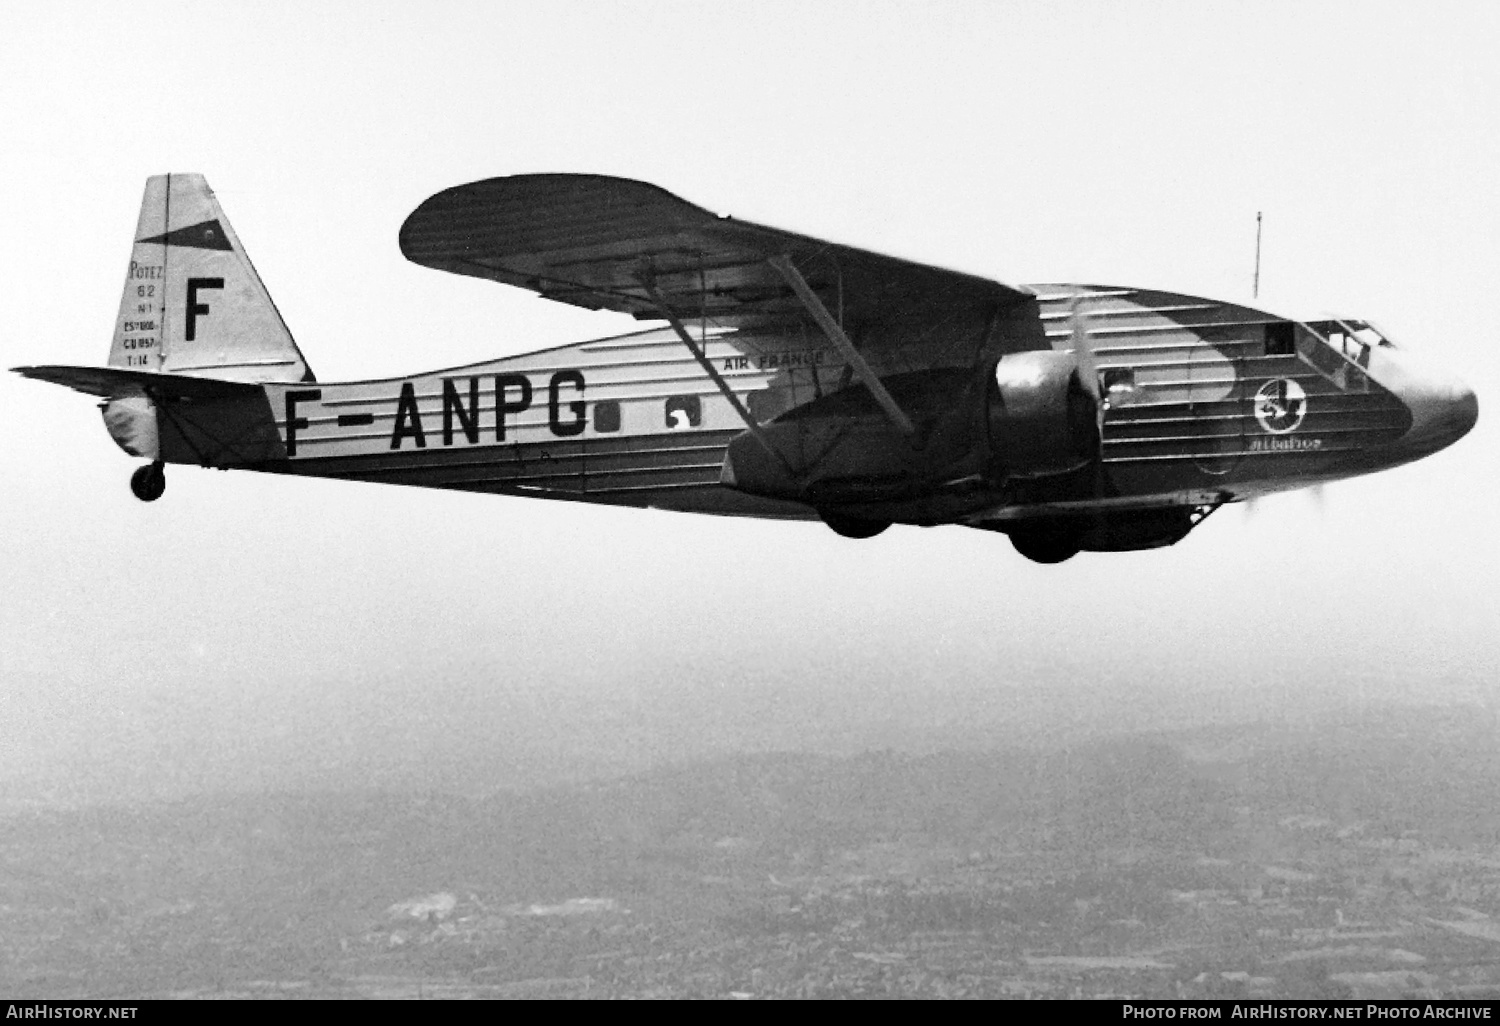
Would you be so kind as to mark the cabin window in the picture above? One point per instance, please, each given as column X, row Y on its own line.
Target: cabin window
column 607, row 416
column 684, row 411
column 1117, row 379
column 1281, row 339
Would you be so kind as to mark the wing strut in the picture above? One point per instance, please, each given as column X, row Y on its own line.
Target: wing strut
column 862, row 370
column 718, row 380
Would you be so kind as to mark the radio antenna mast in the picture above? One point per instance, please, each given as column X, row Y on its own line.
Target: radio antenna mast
column 1255, row 285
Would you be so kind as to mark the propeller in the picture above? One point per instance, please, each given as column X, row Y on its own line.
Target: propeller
column 1316, row 493
column 1088, row 375
column 1319, row 499
column 1083, row 352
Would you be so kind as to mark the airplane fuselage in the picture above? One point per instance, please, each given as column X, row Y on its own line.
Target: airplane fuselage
column 1206, row 402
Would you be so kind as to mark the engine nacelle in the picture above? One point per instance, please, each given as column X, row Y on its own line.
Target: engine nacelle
column 842, row 449
column 1024, row 417
column 1042, row 421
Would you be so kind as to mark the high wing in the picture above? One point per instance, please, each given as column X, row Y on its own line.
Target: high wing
column 610, row 243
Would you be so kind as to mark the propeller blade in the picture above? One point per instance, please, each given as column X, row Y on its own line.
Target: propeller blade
column 1088, row 374
column 1083, row 349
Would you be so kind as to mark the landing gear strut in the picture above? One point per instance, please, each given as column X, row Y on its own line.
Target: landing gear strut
column 149, row 482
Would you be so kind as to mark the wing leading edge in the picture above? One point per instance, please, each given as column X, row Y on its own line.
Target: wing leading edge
column 608, row 243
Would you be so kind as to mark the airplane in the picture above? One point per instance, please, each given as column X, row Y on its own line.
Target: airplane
column 788, row 378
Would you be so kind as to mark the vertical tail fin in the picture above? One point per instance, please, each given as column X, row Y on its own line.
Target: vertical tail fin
column 193, row 303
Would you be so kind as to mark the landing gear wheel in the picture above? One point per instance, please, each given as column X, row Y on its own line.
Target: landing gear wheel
column 1045, row 546
column 149, row 482
column 853, row 527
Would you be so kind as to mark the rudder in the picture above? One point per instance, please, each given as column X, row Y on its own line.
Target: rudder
column 193, row 303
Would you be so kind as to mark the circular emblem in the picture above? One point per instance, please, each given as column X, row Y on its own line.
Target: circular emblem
column 1280, row 406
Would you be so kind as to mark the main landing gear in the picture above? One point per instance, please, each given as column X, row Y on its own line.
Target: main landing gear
column 852, row 527
column 149, row 482
column 1045, row 543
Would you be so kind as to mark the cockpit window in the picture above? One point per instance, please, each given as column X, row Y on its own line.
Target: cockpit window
column 1349, row 339
column 1350, row 335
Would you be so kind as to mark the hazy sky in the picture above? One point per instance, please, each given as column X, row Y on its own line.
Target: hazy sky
column 246, row 628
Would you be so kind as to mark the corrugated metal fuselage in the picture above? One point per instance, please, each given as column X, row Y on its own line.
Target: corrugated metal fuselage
column 1207, row 402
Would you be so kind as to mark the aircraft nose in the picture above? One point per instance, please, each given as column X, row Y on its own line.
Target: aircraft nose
column 1443, row 409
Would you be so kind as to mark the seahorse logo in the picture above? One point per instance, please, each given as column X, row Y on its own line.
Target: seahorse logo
column 1280, row 406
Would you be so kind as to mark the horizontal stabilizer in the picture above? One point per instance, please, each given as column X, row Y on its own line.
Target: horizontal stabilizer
column 113, row 382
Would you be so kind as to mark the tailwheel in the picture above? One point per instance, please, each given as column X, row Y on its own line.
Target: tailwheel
column 853, row 527
column 1045, row 544
column 149, row 482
